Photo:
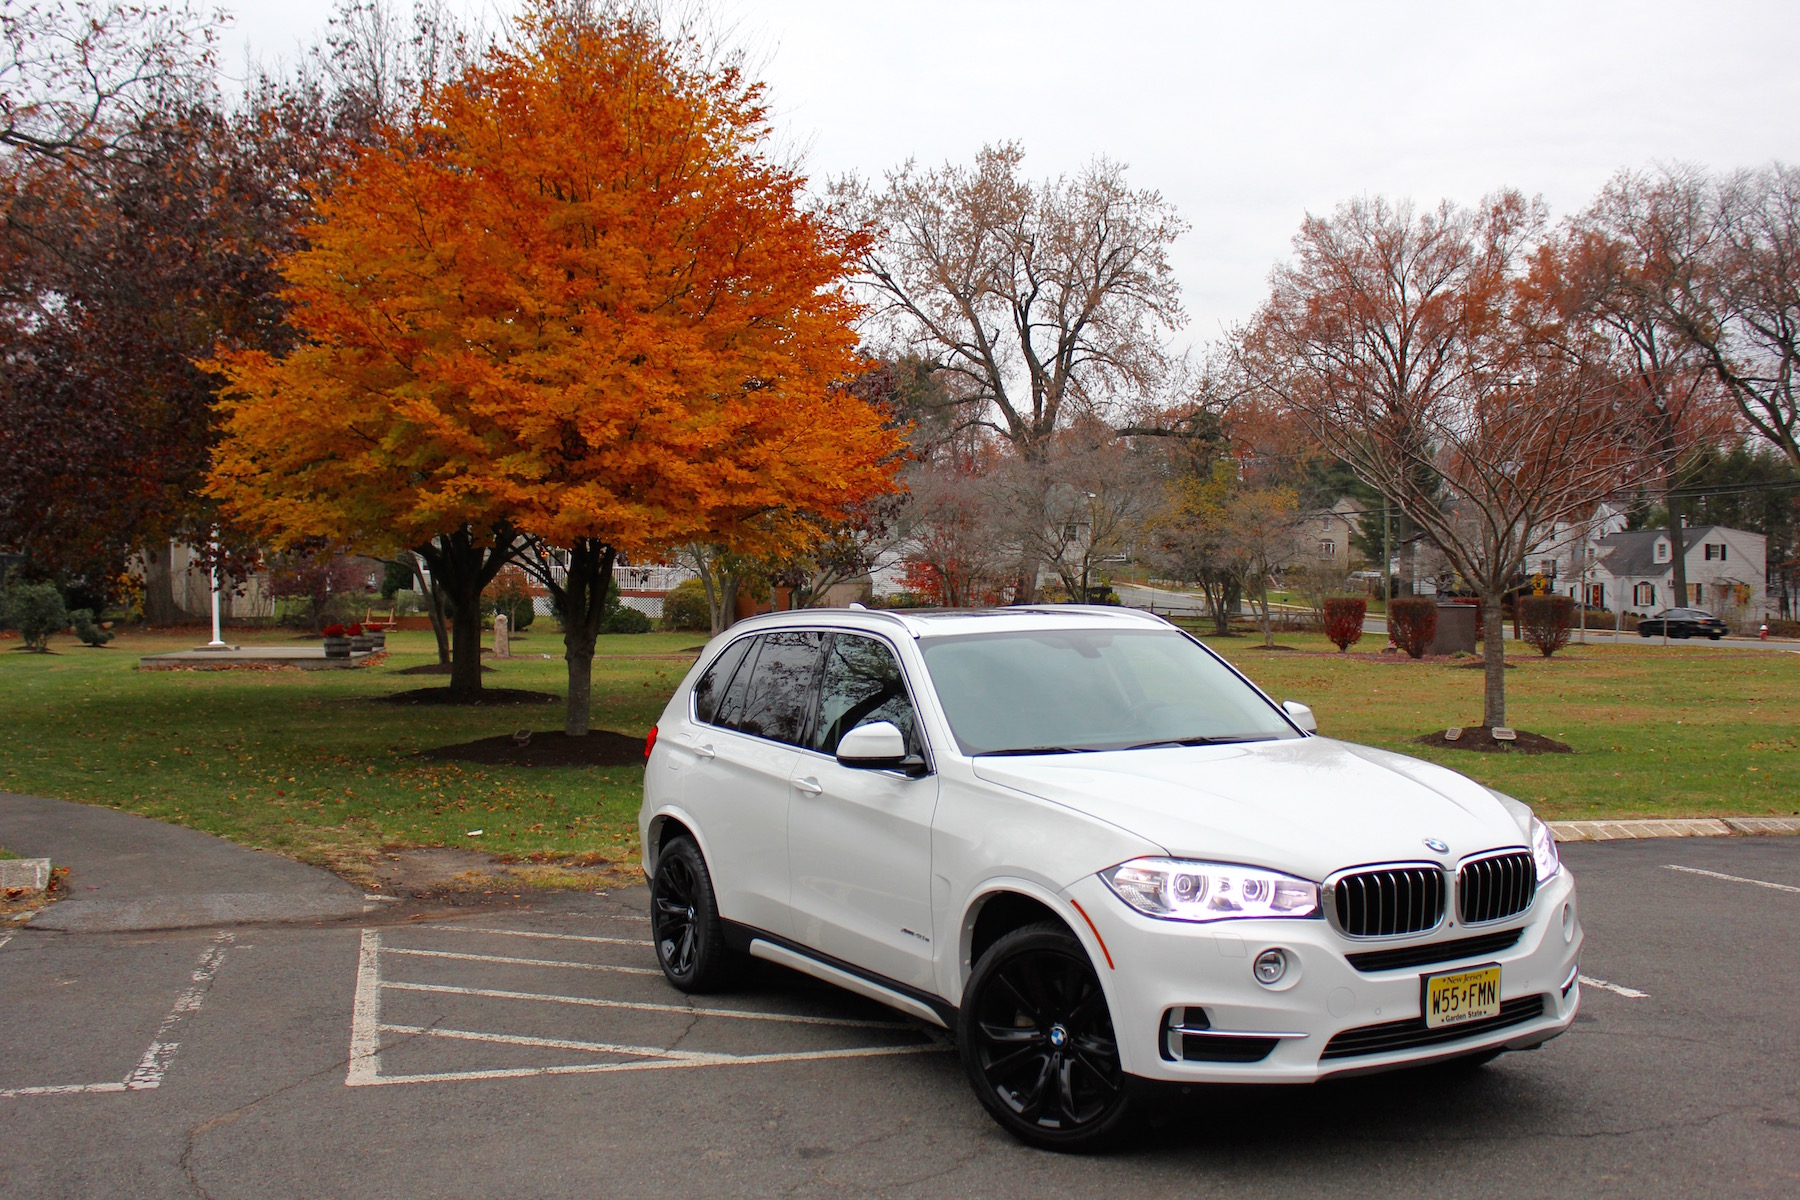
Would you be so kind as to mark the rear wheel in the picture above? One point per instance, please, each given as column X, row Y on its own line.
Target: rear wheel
column 1038, row 1044
column 684, row 921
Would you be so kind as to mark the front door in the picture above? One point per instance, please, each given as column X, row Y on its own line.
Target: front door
column 859, row 841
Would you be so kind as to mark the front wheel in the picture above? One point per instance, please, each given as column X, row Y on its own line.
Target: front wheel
column 1037, row 1042
column 1715, row 636
column 684, row 921
column 1642, row 632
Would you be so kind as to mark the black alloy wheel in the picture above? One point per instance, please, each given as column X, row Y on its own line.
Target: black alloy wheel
column 684, row 921
column 1038, row 1044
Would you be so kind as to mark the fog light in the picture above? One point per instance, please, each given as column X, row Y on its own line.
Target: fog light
column 1270, row 966
column 1568, row 922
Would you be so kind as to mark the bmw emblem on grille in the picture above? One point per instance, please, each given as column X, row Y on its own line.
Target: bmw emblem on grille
column 1435, row 844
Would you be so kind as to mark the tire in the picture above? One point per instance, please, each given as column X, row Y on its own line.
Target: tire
column 684, row 921
column 1037, row 1042
column 1642, row 632
column 1714, row 636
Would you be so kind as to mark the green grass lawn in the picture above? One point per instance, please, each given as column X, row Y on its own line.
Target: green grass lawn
column 1657, row 731
column 308, row 764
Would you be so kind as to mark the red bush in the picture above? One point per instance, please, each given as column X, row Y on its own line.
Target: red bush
column 1344, row 620
column 354, row 629
column 1544, row 622
column 335, row 631
column 1412, row 623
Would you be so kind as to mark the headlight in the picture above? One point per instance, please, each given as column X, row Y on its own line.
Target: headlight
column 1179, row 890
column 1543, row 850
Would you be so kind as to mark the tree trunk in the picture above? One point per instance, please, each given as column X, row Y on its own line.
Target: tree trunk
column 465, row 652
column 1493, row 656
column 1268, row 621
column 581, row 603
column 1677, row 552
column 463, row 567
column 159, row 587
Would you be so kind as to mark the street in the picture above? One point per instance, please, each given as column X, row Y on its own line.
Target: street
column 536, row 1052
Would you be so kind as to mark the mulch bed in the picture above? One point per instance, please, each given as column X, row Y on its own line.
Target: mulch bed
column 1481, row 738
column 486, row 696
column 547, row 748
column 436, row 669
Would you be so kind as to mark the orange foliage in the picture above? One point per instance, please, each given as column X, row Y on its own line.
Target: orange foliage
column 580, row 301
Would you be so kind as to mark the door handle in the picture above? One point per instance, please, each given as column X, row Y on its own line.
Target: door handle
column 811, row 787
column 704, row 752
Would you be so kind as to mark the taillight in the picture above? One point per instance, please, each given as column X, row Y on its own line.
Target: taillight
column 650, row 742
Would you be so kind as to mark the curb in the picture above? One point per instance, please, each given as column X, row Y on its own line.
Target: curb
column 31, row 874
column 193, row 912
column 1675, row 827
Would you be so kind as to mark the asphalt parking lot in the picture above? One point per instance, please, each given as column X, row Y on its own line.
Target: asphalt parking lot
column 537, row 1053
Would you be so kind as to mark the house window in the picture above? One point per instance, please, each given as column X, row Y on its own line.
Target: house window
column 1328, row 548
column 1662, row 551
column 1644, row 595
column 1697, row 591
column 1715, row 552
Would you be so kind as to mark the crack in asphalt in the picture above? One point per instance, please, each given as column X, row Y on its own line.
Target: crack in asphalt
column 189, row 1142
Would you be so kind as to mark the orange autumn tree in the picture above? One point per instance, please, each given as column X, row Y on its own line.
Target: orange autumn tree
column 581, row 302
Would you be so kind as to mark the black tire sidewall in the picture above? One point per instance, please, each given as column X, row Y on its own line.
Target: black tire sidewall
column 712, row 959
column 1100, row 1134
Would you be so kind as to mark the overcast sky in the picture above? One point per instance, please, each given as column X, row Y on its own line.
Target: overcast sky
column 1248, row 116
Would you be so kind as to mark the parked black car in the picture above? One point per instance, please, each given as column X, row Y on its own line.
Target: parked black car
column 1683, row 623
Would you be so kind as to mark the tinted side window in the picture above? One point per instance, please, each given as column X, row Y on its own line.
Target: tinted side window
column 781, row 686
column 711, row 688
column 861, row 683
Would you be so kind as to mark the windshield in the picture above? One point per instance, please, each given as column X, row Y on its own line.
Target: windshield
column 1075, row 690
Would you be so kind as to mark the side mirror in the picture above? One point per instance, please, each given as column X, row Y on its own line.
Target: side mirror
column 879, row 744
column 1300, row 715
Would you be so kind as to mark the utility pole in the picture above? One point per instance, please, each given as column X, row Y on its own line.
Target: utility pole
column 1387, row 559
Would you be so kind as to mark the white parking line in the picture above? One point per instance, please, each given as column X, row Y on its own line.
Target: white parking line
column 1621, row 989
column 154, row 1064
column 640, row 1006
column 1762, row 883
column 521, row 933
column 522, row 962
column 367, row 1027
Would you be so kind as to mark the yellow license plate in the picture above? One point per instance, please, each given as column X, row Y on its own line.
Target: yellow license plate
column 1459, row 996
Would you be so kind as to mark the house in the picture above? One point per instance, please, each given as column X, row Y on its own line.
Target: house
column 1325, row 536
column 1726, row 572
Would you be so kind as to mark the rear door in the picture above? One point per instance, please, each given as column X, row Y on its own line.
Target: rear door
column 747, row 746
column 859, row 840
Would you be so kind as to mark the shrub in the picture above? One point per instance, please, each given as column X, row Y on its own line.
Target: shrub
column 87, row 629
column 627, row 620
column 1412, row 623
column 1544, row 622
column 1344, row 620
column 1781, row 627
column 685, row 607
column 36, row 611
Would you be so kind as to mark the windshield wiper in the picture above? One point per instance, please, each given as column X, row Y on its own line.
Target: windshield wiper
column 1022, row 750
column 1201, row 740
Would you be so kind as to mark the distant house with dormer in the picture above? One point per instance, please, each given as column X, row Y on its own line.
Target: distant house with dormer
column 1726, row 572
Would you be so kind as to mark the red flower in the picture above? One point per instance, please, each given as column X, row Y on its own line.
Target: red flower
column 335, row 631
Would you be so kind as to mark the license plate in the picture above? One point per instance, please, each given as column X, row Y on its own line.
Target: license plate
column 1458, row 996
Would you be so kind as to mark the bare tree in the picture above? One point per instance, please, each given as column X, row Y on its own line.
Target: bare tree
column 1080, row 505
column 75, row 77
column 955, row 531
column 1264, row 534
column 1406, row 344
column 1735, row 290
column 1613, row 273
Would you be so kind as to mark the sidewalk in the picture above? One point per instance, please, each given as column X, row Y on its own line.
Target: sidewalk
column 129, row 873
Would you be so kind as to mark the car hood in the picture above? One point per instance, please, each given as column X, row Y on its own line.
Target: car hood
column 1308, row 806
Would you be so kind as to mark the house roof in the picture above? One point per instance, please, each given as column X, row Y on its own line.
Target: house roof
column 1633, row 553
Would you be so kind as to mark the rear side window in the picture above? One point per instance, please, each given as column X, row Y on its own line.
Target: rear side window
column 712, row 686
column 861, row 683
column 782, row 682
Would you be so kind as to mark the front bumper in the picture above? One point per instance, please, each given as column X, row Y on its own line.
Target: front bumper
column 1163, row 966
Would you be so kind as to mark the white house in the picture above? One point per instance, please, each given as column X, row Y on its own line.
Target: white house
column 1726, row 572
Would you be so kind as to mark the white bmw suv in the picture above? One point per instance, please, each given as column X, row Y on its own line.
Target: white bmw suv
column 1095, row 852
